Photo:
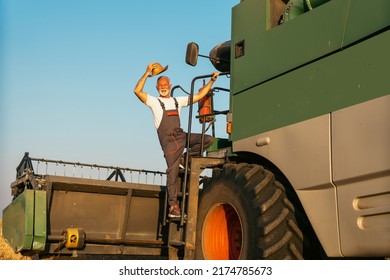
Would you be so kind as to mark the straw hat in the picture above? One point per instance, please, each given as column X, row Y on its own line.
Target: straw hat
column 158, row 69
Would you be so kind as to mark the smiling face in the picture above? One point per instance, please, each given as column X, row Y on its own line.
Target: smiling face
column 164, row 87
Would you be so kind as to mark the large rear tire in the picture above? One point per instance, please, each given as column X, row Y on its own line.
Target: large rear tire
column 245, row 214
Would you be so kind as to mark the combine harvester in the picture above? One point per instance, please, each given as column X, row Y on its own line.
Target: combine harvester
column 304, row 172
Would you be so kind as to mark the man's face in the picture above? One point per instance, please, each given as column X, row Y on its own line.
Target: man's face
column 164, row 87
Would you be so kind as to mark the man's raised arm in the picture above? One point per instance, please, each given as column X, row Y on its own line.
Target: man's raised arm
column 139, row 88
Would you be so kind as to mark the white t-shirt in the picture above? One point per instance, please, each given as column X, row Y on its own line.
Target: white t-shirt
column 153, row 103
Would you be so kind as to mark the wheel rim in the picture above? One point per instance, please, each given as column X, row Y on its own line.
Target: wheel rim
column 222, row 233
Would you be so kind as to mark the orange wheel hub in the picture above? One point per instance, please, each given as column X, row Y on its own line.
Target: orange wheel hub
column 222, row 234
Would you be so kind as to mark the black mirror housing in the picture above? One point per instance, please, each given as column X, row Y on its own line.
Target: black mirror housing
column 192, row 54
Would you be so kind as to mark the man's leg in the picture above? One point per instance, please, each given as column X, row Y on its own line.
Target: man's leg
column 196, row 142
column 173, row 160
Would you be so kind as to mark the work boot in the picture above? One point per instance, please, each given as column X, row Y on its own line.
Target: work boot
column 174, row 211
column 183, row 162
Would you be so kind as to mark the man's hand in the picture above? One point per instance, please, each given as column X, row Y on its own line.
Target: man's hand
column 215, row 76
column 205, row 90
column 150, row 68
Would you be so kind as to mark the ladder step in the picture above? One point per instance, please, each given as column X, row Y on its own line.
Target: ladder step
column 176, row 220
column 180, row 194
column 177, row 243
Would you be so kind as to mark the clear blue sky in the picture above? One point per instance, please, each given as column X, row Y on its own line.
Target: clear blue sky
column 68, row 69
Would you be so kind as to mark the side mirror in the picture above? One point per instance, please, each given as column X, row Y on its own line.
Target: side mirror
column 192, row 54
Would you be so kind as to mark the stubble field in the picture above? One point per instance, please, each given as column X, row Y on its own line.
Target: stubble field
column 6, row 252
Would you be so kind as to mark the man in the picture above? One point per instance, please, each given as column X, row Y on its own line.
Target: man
column 166, row 113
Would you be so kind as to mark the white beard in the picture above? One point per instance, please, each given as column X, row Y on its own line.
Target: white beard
column 163, row 92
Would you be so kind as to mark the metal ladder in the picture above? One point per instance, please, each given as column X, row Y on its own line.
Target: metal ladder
column 182, row 232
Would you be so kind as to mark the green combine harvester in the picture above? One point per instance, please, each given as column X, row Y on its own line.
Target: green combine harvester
column 304, row 172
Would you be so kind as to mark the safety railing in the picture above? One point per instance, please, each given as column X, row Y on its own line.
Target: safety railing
column 41, row 166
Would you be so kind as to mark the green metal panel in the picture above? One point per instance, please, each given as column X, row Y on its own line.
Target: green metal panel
column 18, row 221
column 269, row 53
column 323, row 60
column 366, row 17
column 39, row 241
column 355, row 75
column 24, row 221
column 219, row 143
